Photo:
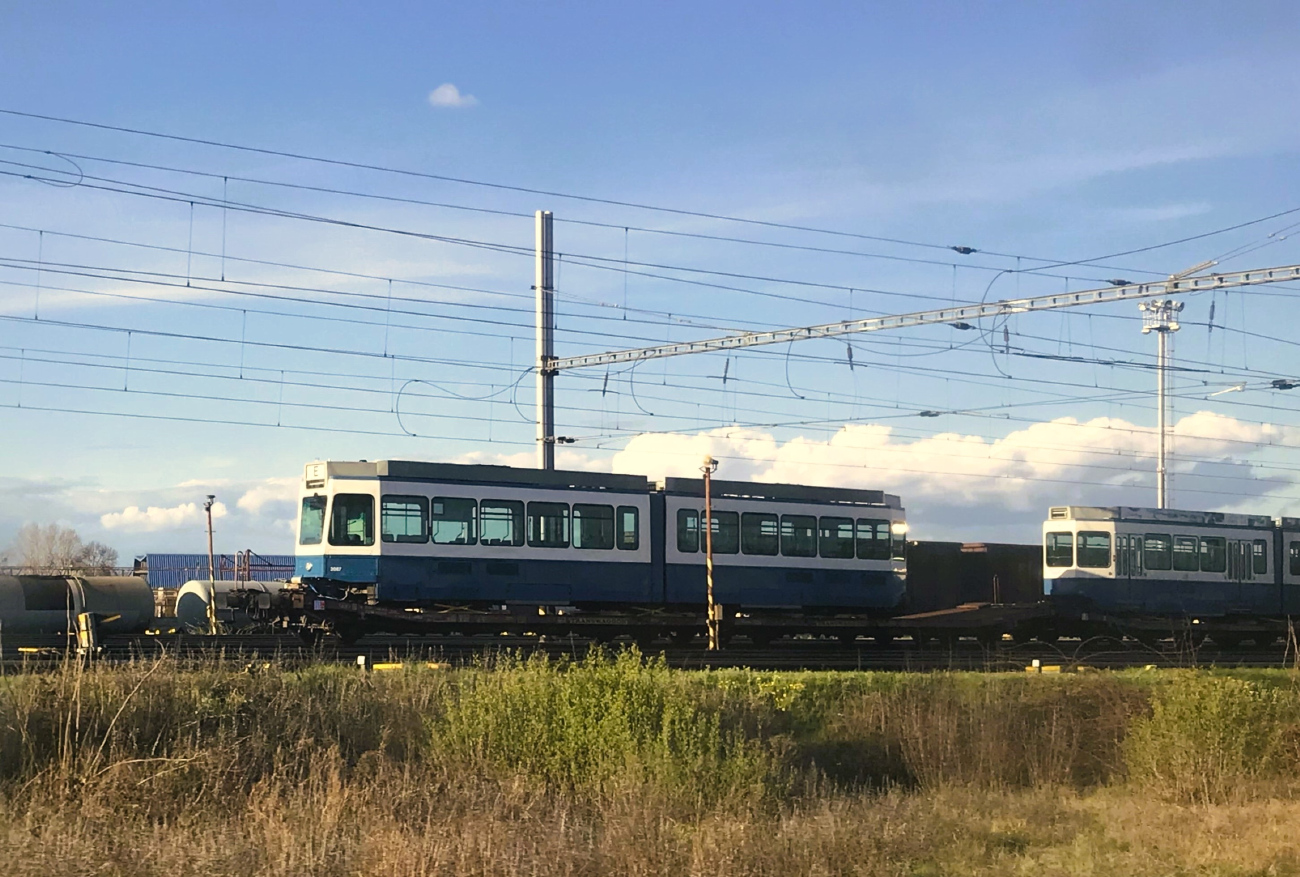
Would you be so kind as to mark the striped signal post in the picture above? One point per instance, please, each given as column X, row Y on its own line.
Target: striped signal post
column 710, row 466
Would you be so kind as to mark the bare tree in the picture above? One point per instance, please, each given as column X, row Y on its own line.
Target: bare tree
column 54, row 549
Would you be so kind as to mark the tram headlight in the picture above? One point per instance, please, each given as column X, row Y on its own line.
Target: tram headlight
column 898, row 528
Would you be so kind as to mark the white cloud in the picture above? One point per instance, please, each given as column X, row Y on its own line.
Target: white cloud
column 448, row 95
column 154, row 518
column 273, row 490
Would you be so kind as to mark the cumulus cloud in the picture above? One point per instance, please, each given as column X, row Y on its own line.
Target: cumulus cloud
column 133, row 519
column 273, row 491
column 448, row 95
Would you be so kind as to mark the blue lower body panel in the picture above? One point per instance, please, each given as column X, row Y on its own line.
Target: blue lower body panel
column 783, row 588
column 1152, row 596
column 455, row 581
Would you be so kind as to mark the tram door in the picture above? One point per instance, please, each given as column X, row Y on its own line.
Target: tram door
column 1128, row 567
column 1240, row 568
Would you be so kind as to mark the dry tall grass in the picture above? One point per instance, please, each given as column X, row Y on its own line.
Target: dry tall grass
column 607, row 767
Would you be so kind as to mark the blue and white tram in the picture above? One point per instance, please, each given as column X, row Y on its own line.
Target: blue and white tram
column 1172, row 563
column 439, row 534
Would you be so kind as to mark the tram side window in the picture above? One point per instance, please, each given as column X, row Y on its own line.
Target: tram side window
column 799, row 535
column 1159, row 551
column 1295, row 558
column 593, row 526
column 760, row 533
column 501, row 522
column 1259, row 556
column 403, row 519
column 629, row 530
column 1185, row 550
column 1214, row 554
column 352, row 519
column 548, row 525
column 1094, row 549
column 726, row 532
column 312, row 525
column 453, row 519
column 688, row 531
column 873, row 539
column 835, row 537
column 1060, row 549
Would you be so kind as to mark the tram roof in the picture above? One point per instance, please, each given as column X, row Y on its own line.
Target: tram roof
column 1155, row 516
column 796, row 492
column 475, row 473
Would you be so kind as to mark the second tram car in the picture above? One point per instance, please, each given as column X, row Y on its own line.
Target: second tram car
column 1173, row 563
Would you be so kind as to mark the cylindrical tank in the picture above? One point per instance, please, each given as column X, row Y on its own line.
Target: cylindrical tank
column 192, row 604
column 50, row 604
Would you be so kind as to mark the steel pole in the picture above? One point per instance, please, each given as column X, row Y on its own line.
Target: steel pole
column 1162, row 353
column 212, row 571
column 544, row 286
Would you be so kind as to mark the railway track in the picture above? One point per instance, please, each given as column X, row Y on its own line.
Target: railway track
column 799, row 654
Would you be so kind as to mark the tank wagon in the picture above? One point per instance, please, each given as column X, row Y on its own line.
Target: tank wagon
column 50, row 604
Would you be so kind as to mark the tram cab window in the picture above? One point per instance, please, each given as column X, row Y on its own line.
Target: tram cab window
column 593, row 526
column 1295, row 558
column 1060, row 549
column 312, row 524
column 352, row 519
column 1259, row 556
column 688, row 531
column 726, row 532
column 453, row 520
column 548, row 525
column 1158, row 552
column 835, row 537
column 1094, row 549
column 760, row 533
column 629, row 530
column 1214, row 554
column 799, row 535
column 873, row 539
column 1185, row 550
column 501, row 522
column 403, row 519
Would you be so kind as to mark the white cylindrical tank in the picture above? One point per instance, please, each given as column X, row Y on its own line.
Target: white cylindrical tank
column 192, row 604
column 50, row 604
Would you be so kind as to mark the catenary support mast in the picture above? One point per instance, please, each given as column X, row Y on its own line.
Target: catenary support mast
column 544, row 286
column 1161, row 317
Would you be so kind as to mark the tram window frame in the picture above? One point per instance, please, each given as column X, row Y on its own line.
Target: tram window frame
column 342, row 536
column 875, row 545
column 601, row 518
column 1052, row 549
column 1158, row 558
column 412, row 508
column 1089, row 556
column 1294, row 558
column 688, row 531
column 438, row 515
column 1259, row 557
column 1213, row 554
column 310, row 504
column 1187, row 560
column 753, row 538
column 539, row 511
column 831, row 543
column 628, row 527
column 726, row 532
column 804, row 545
column 490, row 518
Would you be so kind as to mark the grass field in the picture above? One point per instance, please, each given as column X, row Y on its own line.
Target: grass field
column 616, row 766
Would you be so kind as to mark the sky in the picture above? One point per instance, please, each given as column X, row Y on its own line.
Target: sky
column 183, row 317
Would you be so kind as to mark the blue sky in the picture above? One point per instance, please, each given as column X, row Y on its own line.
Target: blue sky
column 1031, row 132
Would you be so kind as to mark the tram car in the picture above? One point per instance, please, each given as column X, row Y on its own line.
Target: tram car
column 1165, row 562
column 449, row 535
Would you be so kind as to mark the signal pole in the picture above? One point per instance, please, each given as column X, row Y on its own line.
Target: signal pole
column 1161, row 316
column 710, row 466
column 212, row 571
column 544, row 286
